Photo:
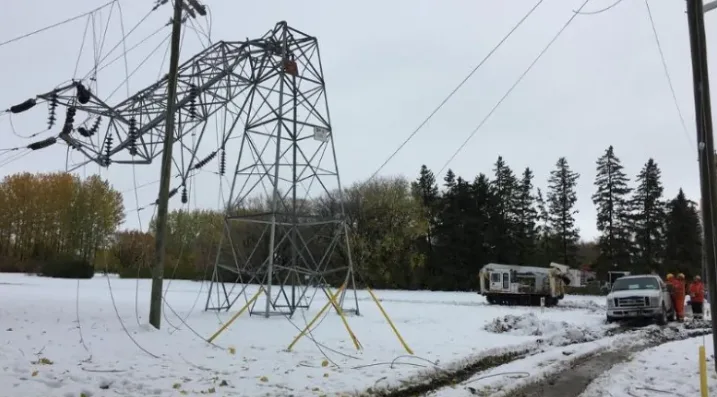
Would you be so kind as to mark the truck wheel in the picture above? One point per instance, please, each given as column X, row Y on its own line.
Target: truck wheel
column 672, row 316
column 610, row 320
column 662, row 317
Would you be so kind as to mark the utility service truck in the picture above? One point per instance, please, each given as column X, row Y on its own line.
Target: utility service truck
column 643, row 296
column 523, row 285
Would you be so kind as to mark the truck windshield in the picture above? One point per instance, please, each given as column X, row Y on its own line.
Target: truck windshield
column 635, row 283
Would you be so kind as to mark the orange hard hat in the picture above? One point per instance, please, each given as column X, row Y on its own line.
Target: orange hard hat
column 681, row 275
column 669, row 276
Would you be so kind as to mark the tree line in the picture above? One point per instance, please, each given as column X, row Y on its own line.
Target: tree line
column 426, row 234
column 50, row 222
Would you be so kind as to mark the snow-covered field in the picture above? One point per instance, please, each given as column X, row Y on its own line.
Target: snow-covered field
column 46, row 353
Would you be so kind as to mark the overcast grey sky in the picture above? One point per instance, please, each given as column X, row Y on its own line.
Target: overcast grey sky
column 387, row 64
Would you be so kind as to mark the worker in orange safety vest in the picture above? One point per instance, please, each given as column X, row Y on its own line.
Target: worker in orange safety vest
column 679, row 293
column 697, row 297
column 670, row 281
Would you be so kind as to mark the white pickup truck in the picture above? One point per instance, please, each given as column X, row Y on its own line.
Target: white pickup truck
column 640, row 297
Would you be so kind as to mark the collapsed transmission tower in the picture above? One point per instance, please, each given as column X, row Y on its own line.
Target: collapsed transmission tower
column 264, row 99
column 296, row 237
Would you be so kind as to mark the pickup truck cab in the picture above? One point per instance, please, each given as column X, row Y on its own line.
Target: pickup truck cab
column 640, row 297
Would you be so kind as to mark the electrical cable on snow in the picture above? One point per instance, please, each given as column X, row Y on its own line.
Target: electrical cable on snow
column 183, row 320
column 510, row 90
column 119, row 318
column 524, row 374
column 79, row 322
column 475, row 69
column 321, row 347
column 395, row 362
column 105, row 254
column 165, row 302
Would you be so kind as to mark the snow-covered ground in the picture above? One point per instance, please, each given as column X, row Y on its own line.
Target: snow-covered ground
column 671, row 369
column 46, row 353
column 503, row 380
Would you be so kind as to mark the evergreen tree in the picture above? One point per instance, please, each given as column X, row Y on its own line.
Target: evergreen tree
column 505, row 190
column 425, row 190
column 545, row 251
column 648, row 213
column 452, row 238
column 561, row 208
column 683, row 237
column 526, row 220
column 480, row 226
column 613, row 213
column 449, row 181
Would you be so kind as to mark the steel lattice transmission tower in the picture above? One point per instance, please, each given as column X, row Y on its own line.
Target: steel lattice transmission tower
column 284, row 241
column 265, row 102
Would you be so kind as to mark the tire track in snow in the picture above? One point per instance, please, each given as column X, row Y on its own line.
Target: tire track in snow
column 429, row 382
column 574, row 377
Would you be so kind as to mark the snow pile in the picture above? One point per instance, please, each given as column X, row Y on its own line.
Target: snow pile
column 585, row 304
column 555, row 333
column 671, row 369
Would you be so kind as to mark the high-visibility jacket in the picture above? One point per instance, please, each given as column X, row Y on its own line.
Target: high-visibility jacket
column 697, row 292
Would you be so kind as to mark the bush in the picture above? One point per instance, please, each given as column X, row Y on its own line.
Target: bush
column 67, row 268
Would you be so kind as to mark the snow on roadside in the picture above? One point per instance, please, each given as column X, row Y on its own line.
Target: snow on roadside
column 671, row 369
column 552, row 334
column 513, row 375
column 503, row 380
column 40, row 316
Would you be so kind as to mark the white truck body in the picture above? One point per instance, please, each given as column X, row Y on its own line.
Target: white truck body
column 639, row 297
column 528, row 285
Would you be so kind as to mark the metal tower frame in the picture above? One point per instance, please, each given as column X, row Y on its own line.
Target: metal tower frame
column 271, row 93
column 287, row 133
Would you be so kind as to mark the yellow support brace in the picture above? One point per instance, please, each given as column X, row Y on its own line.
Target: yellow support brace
column 393, row 327
column 234, row 317
column 336, row 306
column 311, row 323
column 703, row 372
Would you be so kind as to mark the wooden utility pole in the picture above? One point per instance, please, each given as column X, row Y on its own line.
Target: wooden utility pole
column 705, row 146
column 155, row 306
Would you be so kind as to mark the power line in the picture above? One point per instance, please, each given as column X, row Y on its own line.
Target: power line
column 667, row 73
column 600, row 11
column 430, row 116
column 56, row 24
column 520, row 78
